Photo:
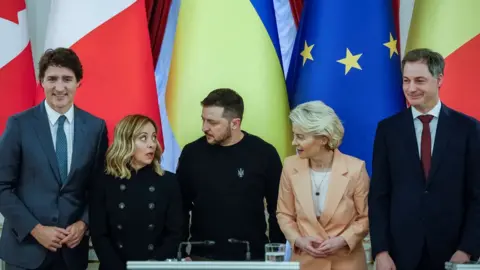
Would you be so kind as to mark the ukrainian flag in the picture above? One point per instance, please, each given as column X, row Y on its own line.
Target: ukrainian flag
column 234, row 44
column 346, row 55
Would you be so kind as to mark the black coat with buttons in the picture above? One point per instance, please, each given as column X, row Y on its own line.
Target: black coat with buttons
column 135, row 219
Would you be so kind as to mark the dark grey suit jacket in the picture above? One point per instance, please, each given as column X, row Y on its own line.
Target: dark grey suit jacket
column 31, row 192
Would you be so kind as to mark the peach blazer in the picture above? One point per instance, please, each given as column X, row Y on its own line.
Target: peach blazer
column 345, row 213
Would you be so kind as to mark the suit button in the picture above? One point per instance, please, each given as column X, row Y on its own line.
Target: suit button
column 119, row 227
column 122, row 187
column 151, row 206
column 120, row 245
column 150, row 247
column 121, row 205
column 54, row 219
column 151, row 227
column 425, row 192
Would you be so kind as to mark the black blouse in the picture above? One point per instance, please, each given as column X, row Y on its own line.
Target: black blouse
column 135, row 219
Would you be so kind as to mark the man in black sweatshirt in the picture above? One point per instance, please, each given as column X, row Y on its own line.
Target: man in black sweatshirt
column 225, row 177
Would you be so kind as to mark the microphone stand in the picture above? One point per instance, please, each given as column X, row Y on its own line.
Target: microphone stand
column 179, row 250
column 236, row 241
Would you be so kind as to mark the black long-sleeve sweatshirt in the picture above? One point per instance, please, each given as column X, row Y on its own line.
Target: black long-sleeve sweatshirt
column 224, row 187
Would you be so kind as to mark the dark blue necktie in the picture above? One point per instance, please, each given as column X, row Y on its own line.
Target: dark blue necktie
column 62, row 149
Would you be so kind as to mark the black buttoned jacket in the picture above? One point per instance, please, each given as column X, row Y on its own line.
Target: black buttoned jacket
column 135, row 219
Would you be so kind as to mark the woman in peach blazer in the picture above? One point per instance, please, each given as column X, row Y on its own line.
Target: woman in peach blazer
column 322, row 202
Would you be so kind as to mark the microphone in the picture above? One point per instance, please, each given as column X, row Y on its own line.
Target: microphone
column 199, row 243
column 236, row 241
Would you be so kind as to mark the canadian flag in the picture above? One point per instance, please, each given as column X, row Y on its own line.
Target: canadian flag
column 17, row 74
column 112, row 41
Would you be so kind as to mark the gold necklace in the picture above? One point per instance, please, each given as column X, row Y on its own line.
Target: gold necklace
column 317, row 188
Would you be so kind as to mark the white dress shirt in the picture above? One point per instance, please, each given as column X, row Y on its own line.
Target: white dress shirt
column 320, row 182
column 67, row 126
column 435, row 112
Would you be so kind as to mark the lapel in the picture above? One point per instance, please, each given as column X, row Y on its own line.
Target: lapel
column 44, row 135
column 302, row 184
column 407, row 129
column 79, row 138
column 442, row 136
column 336, row 187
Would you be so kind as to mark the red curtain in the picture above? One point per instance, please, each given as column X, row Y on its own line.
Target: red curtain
column 157, row 15
column 396, row 18
column 296, row 6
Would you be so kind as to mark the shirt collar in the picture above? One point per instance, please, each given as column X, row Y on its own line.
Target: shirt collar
column 435, row 111
column 54, row 115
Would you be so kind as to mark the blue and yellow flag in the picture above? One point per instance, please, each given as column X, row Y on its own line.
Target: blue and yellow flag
column 346, row 56
column 233, row 44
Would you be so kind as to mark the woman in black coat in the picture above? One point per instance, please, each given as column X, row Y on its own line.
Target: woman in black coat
column 135, row 206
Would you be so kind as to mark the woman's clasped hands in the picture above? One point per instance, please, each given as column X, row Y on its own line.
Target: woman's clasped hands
column 319, row 248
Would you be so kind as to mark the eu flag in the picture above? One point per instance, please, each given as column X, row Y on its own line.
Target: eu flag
column 346, row 55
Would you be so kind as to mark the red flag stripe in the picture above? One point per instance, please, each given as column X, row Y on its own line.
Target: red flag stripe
column 459, row 89
column 118, row 69
column 17, row 74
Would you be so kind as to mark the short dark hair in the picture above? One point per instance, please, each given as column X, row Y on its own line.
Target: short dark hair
column 228, row 99
column 433, row 60
column 60, row 57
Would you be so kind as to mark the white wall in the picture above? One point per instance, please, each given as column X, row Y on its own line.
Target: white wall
column 406, row 11
column 37, row 12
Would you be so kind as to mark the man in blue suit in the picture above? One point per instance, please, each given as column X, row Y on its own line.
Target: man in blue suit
column 424, row 200
column 49, row 155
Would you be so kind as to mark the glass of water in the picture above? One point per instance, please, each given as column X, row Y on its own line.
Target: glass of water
column 274, row 252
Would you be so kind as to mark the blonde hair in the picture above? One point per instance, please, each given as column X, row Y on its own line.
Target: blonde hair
column 318, row 119
column 120, row 153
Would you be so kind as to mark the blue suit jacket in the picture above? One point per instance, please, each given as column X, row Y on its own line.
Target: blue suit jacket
column 31, row 192
column 443, row 212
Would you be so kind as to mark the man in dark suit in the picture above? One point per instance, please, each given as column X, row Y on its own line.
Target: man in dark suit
column 424, row 200
column 49, row 154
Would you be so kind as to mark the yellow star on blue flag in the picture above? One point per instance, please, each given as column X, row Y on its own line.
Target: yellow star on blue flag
column 307, row 52
column 392, row 45
column 350, row 61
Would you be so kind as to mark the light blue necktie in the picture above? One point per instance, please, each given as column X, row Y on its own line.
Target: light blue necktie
column 61, row 149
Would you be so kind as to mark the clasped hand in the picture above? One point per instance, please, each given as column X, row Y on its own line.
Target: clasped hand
column 53, row 238
column 319, row 248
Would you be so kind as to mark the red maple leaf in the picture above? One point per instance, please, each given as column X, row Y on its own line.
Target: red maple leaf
column 9, row 9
